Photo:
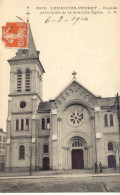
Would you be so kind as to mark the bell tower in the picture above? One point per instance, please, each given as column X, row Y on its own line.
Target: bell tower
column 26, row 75
column 26, row 71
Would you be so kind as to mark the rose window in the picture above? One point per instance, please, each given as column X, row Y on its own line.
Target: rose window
column 75, row 118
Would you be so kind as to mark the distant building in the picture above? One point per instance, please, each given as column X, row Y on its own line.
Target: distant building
column 2, row 149
column 72, row 131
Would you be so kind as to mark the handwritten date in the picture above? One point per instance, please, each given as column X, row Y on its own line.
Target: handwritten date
column 74, row 20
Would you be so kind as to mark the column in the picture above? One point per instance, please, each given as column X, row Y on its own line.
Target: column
column 90, row 164
column 33, row 144
column 86, row 157
column 54, row 139
column 117, row 155
column 93, row 139
column 65, row 157
column 69, row 158
column 8, row 157
column 59, row 144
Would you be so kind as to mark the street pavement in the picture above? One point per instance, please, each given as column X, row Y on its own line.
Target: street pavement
column 60, row 184
column 61, row 181
column 60, row 173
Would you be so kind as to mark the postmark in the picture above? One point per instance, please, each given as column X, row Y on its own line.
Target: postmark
column 15, row 34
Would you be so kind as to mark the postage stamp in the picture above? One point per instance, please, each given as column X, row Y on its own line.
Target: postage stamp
column 15, row 34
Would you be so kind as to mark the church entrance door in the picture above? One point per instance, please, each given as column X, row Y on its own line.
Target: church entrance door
column 45, row 163
column 77, row 159
column 111, row 161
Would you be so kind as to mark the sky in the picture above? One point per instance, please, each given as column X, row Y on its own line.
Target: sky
column 91, row 48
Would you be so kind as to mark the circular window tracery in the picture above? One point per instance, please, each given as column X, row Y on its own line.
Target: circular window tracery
column 22, row 104
column 75, row 118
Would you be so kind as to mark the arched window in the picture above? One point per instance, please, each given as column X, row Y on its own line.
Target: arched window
column 111, row 120
column 22, row 152
column 19, row 80
column 22, row 124
column 27, row 124
column 77, row 143
column 17, row 125
column 106, row 120
column 46, row 150
column 43, row 123
column 27, row 80
column 110, row 146
column 48, row 123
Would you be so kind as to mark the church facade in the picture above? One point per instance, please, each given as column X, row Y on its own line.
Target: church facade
column 72, row 131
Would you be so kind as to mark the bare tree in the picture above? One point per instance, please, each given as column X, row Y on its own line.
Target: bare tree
column 30, row 152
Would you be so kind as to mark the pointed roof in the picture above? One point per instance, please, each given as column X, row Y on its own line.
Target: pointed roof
column 31, row 45
column 74, row 82
column 30, row 53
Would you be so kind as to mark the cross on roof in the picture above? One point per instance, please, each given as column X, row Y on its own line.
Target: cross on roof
column 74, row 75
column 28, row 13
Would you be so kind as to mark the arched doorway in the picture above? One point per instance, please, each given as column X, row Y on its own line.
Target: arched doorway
column 77, row 154
column 77, row 159
column 46, row 163
column 111, row 161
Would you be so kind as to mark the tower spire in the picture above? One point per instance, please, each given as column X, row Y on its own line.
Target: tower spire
column 30, row 52
column 28, row 13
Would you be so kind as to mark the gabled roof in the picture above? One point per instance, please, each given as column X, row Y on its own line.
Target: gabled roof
column 44, row 106
column 75, row 82
column 108, row 101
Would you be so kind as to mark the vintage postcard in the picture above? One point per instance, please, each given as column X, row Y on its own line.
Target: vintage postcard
column 60, row 96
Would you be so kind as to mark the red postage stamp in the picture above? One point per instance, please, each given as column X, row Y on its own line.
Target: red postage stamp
column 15, row 34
